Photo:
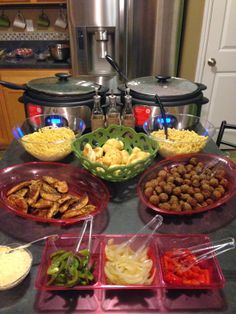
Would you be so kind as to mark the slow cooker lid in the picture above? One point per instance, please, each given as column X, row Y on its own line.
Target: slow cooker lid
column 62, row 84
column 165, row 86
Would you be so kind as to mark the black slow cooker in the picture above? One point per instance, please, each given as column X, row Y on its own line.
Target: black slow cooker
column 177, row 95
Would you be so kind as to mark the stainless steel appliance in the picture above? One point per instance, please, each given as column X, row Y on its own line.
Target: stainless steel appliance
column 143, row 36
column 61, row 94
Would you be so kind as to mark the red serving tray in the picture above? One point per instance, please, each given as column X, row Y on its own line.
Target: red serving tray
column 158, row 245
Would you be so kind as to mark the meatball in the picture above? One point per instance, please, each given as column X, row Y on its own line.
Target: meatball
column 162, row 173
column 221, row 189
column 168, row 189
column 189, row 167
column 209, row 201
column 163, row 197
column 214, row 182
column 178, row 181
column 184, row 196
column 184, row 188
column 177, row 191
column 154, row 199
column 192, row 201
column 148, row 192
column 224, row 182
column 187, row 181
column 173, row 199
column 158, row 189
column 206, row 194
column 175, row 207
column 199, row 197
column 216, row 195
column 165, row 206
column 196, row 183
column 206, row 187
column 193, row 161
column 186, row 207
column 170, row 179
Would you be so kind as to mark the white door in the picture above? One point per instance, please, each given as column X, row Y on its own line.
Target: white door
column 217, row 63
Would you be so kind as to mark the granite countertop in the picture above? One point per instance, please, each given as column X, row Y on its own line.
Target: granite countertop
column 33, row 63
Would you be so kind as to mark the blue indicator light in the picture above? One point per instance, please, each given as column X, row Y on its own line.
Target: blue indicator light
column 56, row 121
column 161, row 120
column 21, row 134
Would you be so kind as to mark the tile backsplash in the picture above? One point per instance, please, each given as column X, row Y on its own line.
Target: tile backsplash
column 9, row 36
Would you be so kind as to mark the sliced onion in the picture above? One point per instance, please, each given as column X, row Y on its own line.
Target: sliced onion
column 125, row 266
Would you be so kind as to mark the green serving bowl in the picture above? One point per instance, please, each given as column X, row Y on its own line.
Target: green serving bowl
column 130, row 138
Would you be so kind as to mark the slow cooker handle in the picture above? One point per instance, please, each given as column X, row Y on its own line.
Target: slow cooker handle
column 13, row 86
column 116, row 68
column 201, row 86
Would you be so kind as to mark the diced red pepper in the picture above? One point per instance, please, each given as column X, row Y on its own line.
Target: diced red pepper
column 173, row 279
column 174, row 274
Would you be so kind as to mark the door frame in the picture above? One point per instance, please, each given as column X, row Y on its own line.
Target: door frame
column 201, row 59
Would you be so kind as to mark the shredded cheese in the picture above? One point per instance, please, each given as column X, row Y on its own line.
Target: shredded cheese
column 13, row 265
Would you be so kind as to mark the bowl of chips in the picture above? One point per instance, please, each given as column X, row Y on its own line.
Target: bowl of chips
column 186, row 133
column 49, row 137
column 116, row 153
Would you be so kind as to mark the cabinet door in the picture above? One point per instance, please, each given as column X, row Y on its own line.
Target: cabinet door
column 15, row 1
column 4, row 122
column 15, row 109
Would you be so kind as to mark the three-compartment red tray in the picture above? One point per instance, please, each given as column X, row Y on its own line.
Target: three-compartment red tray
column 158, row 245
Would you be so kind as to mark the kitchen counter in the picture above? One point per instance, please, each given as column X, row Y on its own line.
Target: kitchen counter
column 125, row 214
column 32, row 63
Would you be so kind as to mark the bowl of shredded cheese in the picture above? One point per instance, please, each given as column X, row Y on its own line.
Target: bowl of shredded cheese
column 49, row 138
column 187, row 134
column 14, row 266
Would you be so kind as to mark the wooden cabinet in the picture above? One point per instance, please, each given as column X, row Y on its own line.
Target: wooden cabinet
column 12, row 112
column 31, row 1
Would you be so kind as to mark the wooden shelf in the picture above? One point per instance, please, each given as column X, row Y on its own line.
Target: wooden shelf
column 17, row 2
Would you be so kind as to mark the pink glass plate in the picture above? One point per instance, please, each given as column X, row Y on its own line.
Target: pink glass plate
column 80, row 182
column 230, row 174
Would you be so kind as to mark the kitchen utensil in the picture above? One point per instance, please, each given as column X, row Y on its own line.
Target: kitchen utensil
column 155, row 222
column 163, row 114
column 87, row 221
column 79, row 181
column 130, row 138
column 43, row 20
column 61, row 20
column 19, row 21
column 59, row 52
column 53, row 237
column 202, row 252
column 60, row 94
column 226, row 164
column 4, row 20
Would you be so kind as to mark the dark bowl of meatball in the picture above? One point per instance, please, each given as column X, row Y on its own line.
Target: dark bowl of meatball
column 188, row 184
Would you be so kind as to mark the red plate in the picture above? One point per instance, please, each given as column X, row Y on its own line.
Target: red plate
column 230, row 174
column 80, row 181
